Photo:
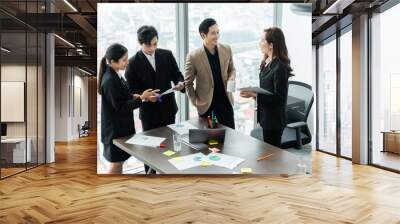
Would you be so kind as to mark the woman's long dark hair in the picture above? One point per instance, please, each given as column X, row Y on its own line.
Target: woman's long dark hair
column 275, row 36
column 113, row 53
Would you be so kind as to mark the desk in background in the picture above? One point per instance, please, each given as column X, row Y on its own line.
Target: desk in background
column 391, row 141
column 13, row 151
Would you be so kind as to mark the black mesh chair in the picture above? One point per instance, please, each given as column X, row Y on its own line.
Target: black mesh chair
column 296, row 133
column 84, row 129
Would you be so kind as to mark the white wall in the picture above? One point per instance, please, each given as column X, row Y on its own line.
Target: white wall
column 70, row 83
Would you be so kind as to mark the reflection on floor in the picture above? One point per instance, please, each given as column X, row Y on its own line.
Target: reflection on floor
column 11, row 169
column 387, row 159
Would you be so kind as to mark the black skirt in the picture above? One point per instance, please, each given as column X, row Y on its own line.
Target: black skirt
column 114, row 154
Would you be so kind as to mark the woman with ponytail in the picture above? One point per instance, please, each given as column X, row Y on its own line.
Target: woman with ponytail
column 275, row 71
column 117, row 105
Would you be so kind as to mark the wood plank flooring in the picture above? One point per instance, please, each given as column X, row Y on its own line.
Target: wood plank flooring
column 70, row 191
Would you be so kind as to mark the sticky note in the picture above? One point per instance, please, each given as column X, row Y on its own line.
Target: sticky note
column 205, row 163
column 246, row 170
column 178, row 159
column 198, row 158
column 169, row 153
column 213, row 142
column 214, row 158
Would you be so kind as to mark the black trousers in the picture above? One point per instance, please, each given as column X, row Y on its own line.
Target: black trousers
column 223, row 111
column 114, row 154
column 273, row 137
column 153, row 124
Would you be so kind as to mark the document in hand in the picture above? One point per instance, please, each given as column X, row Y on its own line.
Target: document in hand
column 257, row 90
column 144, row 140
column 167, row 91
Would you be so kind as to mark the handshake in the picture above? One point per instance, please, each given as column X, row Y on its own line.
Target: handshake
column 148, row 95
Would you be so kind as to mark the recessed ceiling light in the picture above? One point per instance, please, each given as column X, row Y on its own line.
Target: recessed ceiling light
column 84, row 71
column 64, row 40
column 70, row 5
column 5, row 50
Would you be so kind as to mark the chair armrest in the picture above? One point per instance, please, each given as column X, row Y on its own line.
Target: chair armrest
column 297, row 124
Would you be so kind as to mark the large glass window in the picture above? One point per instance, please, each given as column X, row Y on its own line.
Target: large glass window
column 327, row 96
column 243, row 36
column 295, row 20
column 119, row 23
column 22, row 92
column 346, row 94
column 385, row 84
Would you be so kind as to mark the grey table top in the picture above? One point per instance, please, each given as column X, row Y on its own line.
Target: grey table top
column 236, row 144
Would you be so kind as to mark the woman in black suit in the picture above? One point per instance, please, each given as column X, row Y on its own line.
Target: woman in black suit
column 275, row 71
column 117, row 105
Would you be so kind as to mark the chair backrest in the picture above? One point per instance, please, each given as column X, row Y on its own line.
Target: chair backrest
column 303, row 92
column 86, row 125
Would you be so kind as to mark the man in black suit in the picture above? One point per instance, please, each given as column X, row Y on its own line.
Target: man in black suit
column 154, row 68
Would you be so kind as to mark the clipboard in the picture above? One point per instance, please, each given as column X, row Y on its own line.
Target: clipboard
column 257, row 90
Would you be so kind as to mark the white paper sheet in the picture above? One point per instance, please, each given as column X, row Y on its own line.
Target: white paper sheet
column 256, row 89
column 186, row 162
column 227, row 161
column 182, row 128
column 144, row 140
column 167, row 91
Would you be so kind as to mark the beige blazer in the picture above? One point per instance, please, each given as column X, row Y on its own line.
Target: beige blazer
column 199, row 81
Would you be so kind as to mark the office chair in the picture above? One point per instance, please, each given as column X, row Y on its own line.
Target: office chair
column 296, row 133
column 84, row 130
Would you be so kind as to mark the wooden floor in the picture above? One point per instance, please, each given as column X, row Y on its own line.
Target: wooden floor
column 70, row 191
column 387, row 159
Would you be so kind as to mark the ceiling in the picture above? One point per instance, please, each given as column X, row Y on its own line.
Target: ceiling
column 332, row 15
column 75, row 21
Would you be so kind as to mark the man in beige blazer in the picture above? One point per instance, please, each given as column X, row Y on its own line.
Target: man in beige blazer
column 207, row 72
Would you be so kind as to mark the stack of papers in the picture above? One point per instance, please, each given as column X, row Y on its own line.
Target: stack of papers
column 182, row 128
column 199, row 159
column 256, row 89
column 189, row 161
column 223, row 160
column 144, row 140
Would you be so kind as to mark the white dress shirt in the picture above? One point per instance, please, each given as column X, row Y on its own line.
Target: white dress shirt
column 151, row 59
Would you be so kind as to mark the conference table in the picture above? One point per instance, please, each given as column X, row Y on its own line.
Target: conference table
column 280, row 162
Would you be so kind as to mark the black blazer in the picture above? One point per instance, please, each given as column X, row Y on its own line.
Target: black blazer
column 141, row 76
column 117, row 107
column 271, row 109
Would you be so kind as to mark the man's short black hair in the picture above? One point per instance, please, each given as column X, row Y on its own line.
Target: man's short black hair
column 146, row 33
column 203, row 27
